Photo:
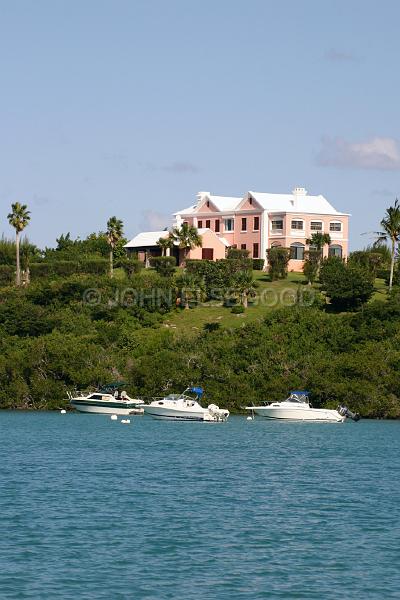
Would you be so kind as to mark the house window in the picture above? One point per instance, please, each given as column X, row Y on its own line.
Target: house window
column 277, row 224
column 217, row 225
column 250, row 201
column 208, row 224
column 256, row 223
column 297, row 225
column 335, row 226
column 199, row 224
column 244, row 224
column 297, row 251
column 335, row 250
column 255, row 250
column 185, row 223
column 208, row 203
column 243, row 246
column 316, row 226
column 228, row 224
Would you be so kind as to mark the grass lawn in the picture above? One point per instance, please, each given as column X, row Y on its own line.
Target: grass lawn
column 270, row 295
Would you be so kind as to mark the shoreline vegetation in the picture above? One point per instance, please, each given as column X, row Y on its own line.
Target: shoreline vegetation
column 83, row 314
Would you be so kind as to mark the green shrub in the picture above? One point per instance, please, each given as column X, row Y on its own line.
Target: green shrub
column 238, row 309
column 164, row 265
column 237, row 253
column 131, row 266
column 258, row 264
column 278, row 260
column 6, row 274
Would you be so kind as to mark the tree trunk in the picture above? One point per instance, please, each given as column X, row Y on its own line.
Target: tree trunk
column 187, row 302
column 244, row 300
column 111, row 264
column 392, row 264
column 18, row 279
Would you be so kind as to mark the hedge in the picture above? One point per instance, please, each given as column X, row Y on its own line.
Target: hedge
column 164, row 265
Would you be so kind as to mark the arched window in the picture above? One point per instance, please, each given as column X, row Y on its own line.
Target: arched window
column 275, row 244
column 335, row 250
column 297, row 251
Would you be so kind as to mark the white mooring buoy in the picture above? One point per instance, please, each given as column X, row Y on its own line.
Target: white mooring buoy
column 114, row 418
column 125, row 420
column 63, row 411
column 249, row 419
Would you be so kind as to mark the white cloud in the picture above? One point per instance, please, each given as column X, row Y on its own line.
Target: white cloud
column 179, row 167
column 154, row 221
column 335, row 55
column 381, row 153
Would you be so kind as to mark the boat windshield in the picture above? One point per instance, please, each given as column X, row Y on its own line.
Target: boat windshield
column 299, row 397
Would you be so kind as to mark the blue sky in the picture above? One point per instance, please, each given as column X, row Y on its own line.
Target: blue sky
column 131, row 107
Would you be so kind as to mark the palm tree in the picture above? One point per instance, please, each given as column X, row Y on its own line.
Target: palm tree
column 319, row 240
column 391, row 231
column 187, row 238
column 164, row 243
column 19, row 219
column 114, row 234
column 245, row 285
column 190, row 287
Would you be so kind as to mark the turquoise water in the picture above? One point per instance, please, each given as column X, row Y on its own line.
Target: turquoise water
column 91, row 509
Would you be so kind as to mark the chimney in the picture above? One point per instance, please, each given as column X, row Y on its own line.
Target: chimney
column 297, row 193
column 200, row 196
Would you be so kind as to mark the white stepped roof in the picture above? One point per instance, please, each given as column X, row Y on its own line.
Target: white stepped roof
column 150, row 238
column 295, row 204
column 146, row 238
column 285, row 203
column 222, row 203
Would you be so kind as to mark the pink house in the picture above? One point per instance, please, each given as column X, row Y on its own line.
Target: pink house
column 258, row 221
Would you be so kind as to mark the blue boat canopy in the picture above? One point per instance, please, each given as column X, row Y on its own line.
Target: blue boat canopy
column 197, row 390
column 301, row 392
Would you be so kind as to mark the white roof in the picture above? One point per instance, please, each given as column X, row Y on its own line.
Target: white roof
column 150, row 238
column 222, row 203
column 285, row 203
column 146, row 238
column 295, row 204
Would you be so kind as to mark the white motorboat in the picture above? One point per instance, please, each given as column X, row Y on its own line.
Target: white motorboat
column 108, row 400
column 298, row 408
column 182, row 407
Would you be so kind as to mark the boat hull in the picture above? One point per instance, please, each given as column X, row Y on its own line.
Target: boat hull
column 105, row 408
column 299, row 414
column 170, row 414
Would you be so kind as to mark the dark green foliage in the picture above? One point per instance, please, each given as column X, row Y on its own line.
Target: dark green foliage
column 7, row 274
column 348, row 286
column 28, row 252
column 258, row 264
column 278, row 260
column 52, row 340
column 65, row 268
column 130, row 265
column 237, row 253
column 238, row 309
column 312, row 260
column 164, row 265
column 367, row 259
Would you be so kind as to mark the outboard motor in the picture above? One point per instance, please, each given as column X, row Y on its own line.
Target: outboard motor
column 346, row 412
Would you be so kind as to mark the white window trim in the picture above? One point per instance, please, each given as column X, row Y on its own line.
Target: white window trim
column 298, row 245
column 336, row 223
column 274, row 221
column 233, row 225
column 317, row 221
column 295, row 219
